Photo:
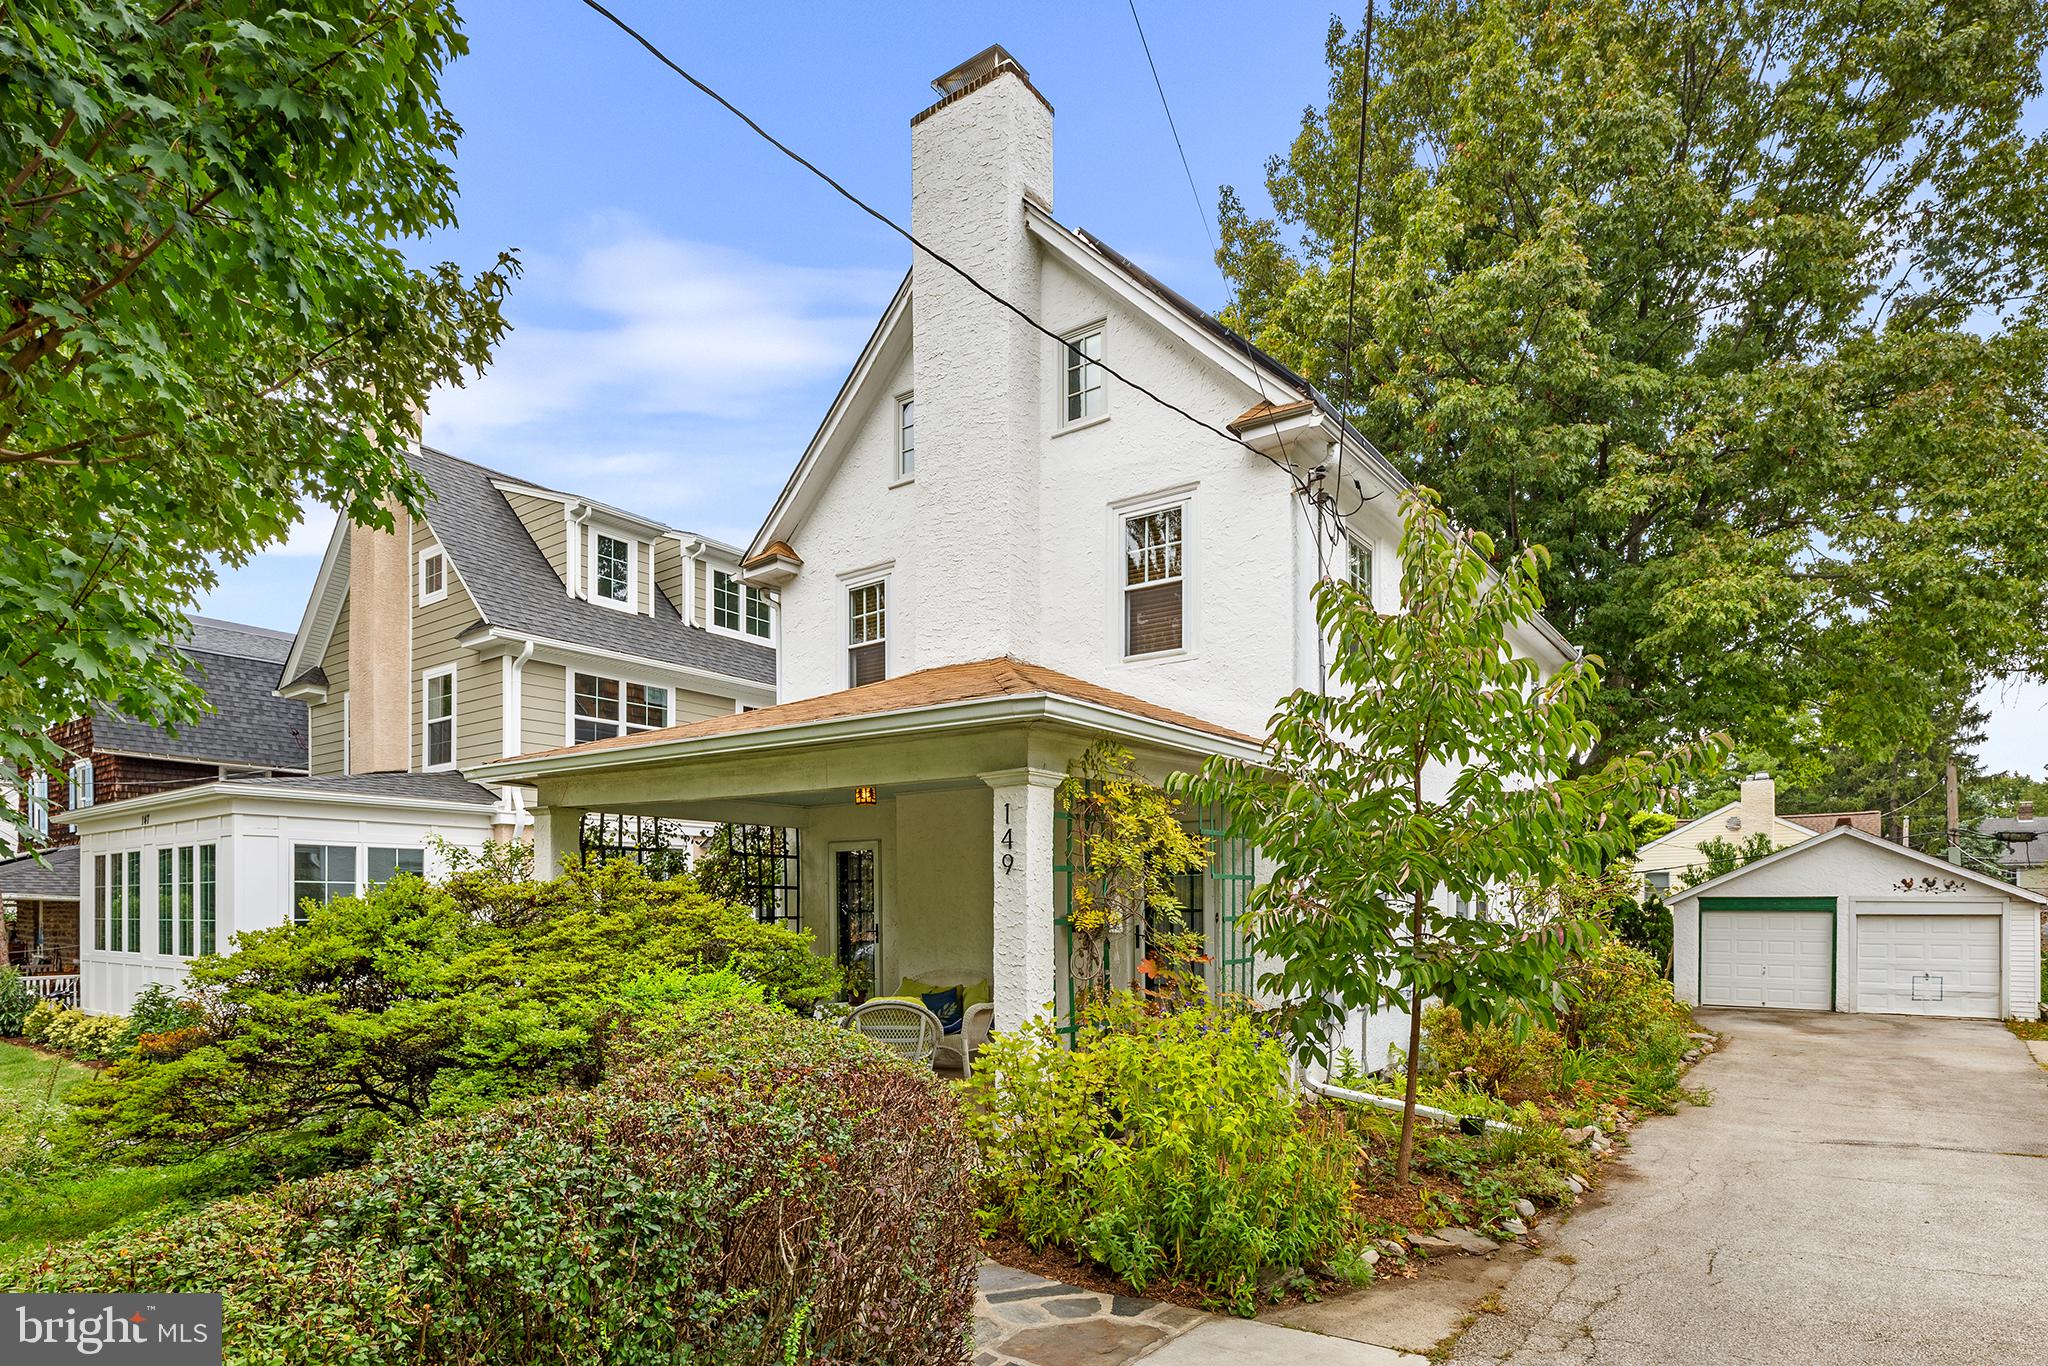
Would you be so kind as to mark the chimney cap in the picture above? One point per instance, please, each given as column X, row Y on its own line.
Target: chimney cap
column 974, row 68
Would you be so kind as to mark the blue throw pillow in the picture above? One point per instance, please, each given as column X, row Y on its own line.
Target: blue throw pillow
column 946, row 1005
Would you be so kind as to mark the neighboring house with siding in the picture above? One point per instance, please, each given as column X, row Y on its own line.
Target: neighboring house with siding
column 505, row 617
column 994, row 553
column 1663, row 862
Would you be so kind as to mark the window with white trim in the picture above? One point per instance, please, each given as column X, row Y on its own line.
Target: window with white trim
column 79, row 791
column 1361, row 566
column 320, row 874
column 906, row 437
column 433, row 576
column 437, row 722
column 380, row 864
column 605, row 707
column 39, row 805
column 1153, row 582
column 760, row 622
column 737, row 606
column 867, row 610
column 1086, row 395
column 611, row 570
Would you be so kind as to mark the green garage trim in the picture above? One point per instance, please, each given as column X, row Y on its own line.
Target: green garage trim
column 1765, row 903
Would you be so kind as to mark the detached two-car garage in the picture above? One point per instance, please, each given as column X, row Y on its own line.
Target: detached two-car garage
column 1846, row 921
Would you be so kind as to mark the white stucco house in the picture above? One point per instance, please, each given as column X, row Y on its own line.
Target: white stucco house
column 994, row 553
column 1846, row 921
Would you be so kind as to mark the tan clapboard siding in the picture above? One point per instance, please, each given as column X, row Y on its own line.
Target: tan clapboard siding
column 645, row 571
column 543, row 706
column 668, row 570
column 479, row 690
column 325, row 742
column 546, row 523
column 700, row 706
column 701, row 572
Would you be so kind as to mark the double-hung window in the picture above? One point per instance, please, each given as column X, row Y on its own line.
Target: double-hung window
column 606, row 707
column 321, row 873
column 39, row 805
column 1361, row 566
column 433, row 576
column 1153, row 582
column 1086, row 396
column 438, row 718
column 79, row 792
column 611, row 570
column 906, row 437
column 867, row 633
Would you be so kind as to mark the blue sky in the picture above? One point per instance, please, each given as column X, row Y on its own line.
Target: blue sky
column 692, row 300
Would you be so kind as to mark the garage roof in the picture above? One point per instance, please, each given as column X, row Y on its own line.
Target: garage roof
column 1850, row 832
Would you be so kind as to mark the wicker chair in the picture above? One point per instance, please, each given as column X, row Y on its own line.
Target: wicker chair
column 906, row 1028
column 975, row 1027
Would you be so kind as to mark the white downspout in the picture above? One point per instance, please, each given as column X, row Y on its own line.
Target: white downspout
column 1329, row 1092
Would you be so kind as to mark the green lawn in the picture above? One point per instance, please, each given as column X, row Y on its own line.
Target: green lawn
column 45, row 1201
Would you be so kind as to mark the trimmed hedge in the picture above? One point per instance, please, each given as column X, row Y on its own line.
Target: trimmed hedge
column 745, row 1187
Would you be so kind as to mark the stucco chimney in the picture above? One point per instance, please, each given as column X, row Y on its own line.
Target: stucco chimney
column 976, row 156
column 380, row 647
column 1758, row 805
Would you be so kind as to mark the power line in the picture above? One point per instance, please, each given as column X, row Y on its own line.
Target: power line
column 1201, row 205
column 1357, row 219
column 905, row 233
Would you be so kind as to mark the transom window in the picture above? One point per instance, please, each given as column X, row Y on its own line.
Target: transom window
column 433, row 576
column 727, row 596
column 607, row 706
column 320, row 874
column 906, row 437
column 868, row 633
column 440, row 719
column 1153, row 582
column 612, row 566
column 1086, row 396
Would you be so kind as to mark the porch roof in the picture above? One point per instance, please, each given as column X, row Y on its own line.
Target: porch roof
column 948, row 687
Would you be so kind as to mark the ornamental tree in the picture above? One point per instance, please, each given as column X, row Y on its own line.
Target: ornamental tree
column 1429, row 771
column 1734, row 305
column 206, row 317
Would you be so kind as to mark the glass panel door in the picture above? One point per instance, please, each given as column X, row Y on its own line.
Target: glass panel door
column 858, row 912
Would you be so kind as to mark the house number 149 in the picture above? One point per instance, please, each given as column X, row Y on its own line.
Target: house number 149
column 1009, row 842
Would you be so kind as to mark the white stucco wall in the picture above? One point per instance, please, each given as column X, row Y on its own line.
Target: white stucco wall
column 253, row 839
column 1862, row 876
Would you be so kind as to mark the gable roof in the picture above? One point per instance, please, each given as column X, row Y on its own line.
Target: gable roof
column 55, row 878
column 1850, row 832
column 518, row 592
column 235, row 666
column 1795, row 827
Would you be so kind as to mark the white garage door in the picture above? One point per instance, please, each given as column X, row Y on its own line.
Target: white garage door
column 1767, row 958
column 1928, row 964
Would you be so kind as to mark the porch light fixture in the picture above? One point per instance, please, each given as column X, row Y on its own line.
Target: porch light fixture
column 863, row 796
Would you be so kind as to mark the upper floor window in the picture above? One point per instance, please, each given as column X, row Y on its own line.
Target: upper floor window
column 79, row 792
column 906, row 437
column 759, row 622
column 607, row 706
column 439, row 719
column 611, row 566
column 39, row 805
column 1152, row 582
column 1086, row 396
column 737, row 606
column 433, row 576
column 1361, row 566
column 868, row 633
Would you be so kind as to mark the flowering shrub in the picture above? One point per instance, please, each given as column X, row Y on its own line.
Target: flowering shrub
column 1162, row 1146
column 745, row 1188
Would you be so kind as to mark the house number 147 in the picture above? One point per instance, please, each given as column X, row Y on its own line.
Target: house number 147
column 1009, row 842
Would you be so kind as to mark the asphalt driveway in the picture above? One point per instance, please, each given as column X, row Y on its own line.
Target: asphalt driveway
column 1864, row 1188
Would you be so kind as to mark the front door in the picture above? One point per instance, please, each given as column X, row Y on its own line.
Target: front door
column 856, row 905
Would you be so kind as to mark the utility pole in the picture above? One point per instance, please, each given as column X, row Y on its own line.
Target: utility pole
column 1955, row 817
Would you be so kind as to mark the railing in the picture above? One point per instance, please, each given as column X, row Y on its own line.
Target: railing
column 62, row 990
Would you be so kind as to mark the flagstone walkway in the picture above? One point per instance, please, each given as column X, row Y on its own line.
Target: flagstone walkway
column 1022, row 1319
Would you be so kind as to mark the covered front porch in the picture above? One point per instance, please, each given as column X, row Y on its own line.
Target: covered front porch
column 913, row 826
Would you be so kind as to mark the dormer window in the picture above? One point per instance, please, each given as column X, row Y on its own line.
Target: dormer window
column 906, row 437
column 739, row 607
column 611, row 570
column 80, row 791
column 433, row 576
column 1086, row 395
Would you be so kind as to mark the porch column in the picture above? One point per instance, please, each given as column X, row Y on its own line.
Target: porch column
column 557, row 831
column 1026, row 972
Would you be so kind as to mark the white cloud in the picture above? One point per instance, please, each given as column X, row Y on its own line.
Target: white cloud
column 639, row 324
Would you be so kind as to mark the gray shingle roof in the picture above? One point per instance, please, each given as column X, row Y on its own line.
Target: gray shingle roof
column 516, row 589
column 2022, row 844
column 437, row 787
column 236, row 667
column 54, row 879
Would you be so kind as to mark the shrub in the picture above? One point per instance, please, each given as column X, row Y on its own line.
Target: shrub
column 414, row 1001
column 1162, row 1146
column 1505, row 1062
column 95, row 1038
column 746, row 1187
column 36, row 1028
column 160, row 1010
column 16, row 1001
